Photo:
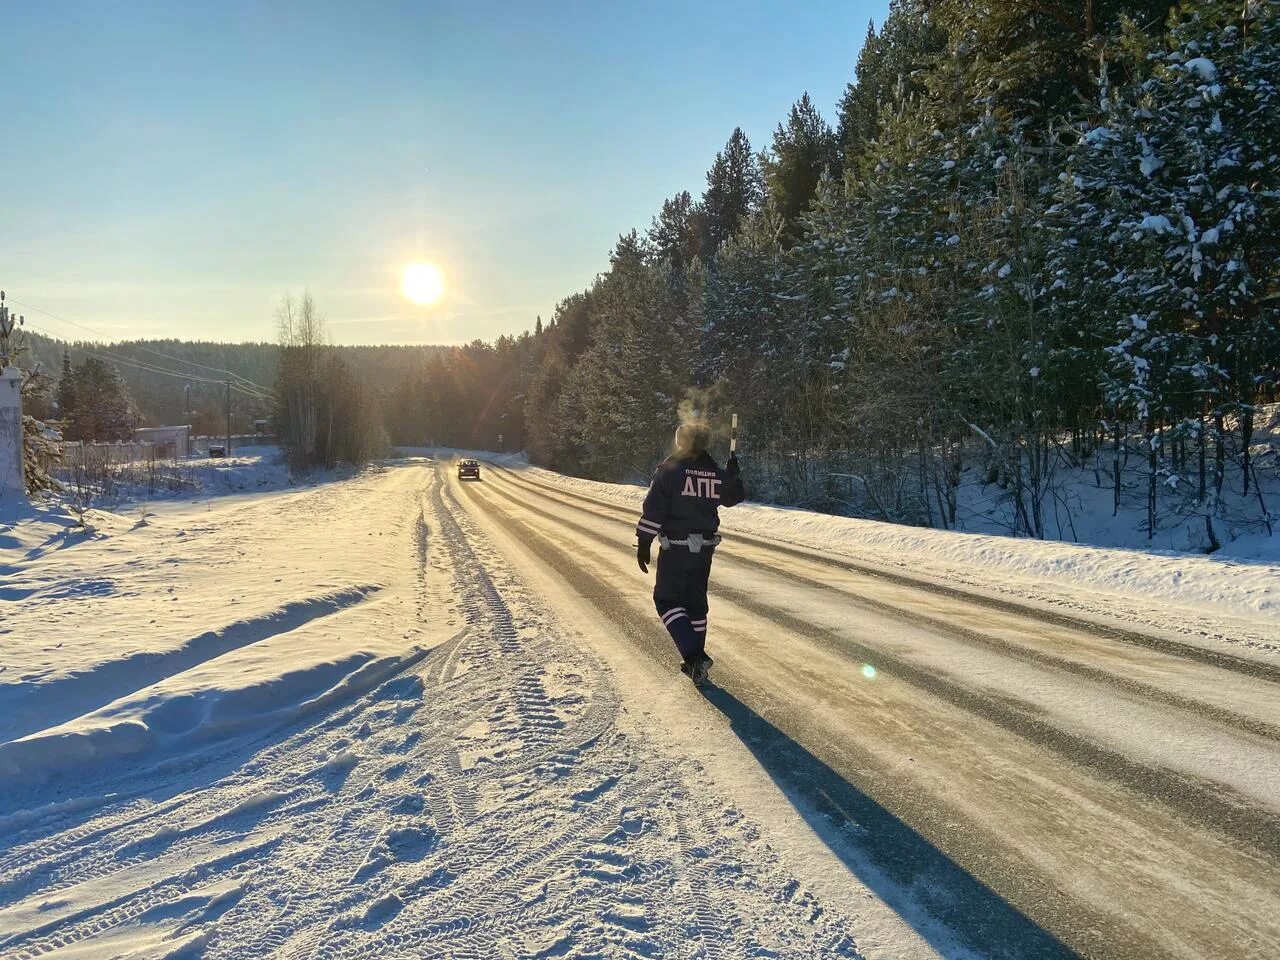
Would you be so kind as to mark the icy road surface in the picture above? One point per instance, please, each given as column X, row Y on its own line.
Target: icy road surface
column 404, row 716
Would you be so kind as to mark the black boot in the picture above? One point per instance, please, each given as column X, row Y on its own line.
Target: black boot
column 701, row 668
column 695, row 667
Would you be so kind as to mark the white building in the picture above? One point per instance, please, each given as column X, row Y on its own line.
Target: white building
column 167, row 442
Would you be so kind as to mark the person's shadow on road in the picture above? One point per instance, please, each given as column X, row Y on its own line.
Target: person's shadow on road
column 939, row 899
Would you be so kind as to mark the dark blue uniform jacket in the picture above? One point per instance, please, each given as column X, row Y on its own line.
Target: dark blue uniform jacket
column 684, row 496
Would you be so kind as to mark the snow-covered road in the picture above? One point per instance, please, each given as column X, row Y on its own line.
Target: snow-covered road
column 403, row 716
column 1028, row 777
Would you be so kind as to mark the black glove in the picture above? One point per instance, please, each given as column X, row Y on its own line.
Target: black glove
column 642, row 554
column 732, row 468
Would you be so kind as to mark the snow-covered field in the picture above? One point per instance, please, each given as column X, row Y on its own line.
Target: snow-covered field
column 146, row 636
column 121, row 484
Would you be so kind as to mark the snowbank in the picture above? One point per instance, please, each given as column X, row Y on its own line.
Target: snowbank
column 214, row 701
column 1239, row 588
column 151, row 635
column 70, row 689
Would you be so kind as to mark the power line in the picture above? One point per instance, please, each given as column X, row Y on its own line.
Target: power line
column 109, row 357
column 176, row 374
column 165, row 356
column 265, row 398
column 250, row 393
column 157, row 353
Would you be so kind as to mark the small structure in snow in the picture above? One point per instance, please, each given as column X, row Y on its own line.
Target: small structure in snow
column 168, row 442
column 12, row 488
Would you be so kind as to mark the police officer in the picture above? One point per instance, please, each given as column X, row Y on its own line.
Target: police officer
column 681, row 511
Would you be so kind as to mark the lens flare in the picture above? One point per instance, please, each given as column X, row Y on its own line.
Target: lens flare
column 423, row 283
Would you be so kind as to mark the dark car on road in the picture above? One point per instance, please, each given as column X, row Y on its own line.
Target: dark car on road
column 468, row 468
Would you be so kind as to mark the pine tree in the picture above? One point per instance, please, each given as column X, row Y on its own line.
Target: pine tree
column 101, row 408
column 568, row 335
column 734, row 191
column 675, row 233
column 66, row 390
column 619, row 402
column 891, row 67
column 1039, row 55
column 804, row 151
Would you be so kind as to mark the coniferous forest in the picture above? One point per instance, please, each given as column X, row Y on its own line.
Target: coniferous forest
column 1038, row 236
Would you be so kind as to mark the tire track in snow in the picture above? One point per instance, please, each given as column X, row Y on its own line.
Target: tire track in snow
column 489, row 899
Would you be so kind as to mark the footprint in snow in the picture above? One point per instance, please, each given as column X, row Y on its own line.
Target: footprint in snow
column 407, row 845
column 381, row 911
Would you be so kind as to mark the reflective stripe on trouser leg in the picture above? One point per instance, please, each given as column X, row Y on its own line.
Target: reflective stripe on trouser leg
column 700, row 631
column 688, row 641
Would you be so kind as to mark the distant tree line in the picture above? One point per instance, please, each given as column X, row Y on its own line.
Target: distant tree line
column 145, row 367
column 160, row 398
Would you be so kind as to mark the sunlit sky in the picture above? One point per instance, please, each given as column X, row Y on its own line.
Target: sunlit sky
column 171, row 169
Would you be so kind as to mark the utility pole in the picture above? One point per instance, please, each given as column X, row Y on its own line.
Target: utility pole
column 228, row 385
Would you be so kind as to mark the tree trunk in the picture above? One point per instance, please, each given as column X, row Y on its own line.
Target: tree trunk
column 956, row 455
column 1201, row 491
column 924, row 476
column 1151, row 479
column 1246, row 438
column 1214, row 545
column 1219, row 456
column 1115, row 472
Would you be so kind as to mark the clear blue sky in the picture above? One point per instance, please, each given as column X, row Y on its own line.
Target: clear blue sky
column 171, row 169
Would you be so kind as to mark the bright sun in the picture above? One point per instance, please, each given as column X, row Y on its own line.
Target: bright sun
column 423, row 283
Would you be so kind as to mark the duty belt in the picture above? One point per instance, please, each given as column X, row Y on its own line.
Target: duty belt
column 695, row 542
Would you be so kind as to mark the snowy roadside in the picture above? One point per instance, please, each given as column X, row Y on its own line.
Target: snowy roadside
column 153, row 634
column 139, row 486
column 1230, row 600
